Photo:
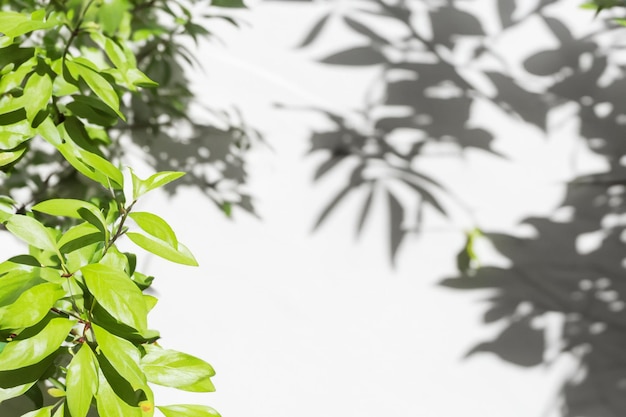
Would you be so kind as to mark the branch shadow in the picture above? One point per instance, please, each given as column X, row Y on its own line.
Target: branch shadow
column 572, row 268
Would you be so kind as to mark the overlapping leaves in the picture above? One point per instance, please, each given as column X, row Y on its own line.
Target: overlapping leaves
column 73, row 315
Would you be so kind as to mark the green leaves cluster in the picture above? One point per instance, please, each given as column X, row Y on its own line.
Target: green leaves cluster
column 73, row 312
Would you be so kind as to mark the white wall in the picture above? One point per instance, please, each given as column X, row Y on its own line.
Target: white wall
column 300, row 324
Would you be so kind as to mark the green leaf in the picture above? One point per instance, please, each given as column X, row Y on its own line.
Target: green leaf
column 32, row 232
column 111, row 15
column 140, row 187
column 98, row 84
column 21, row 353
column 176, row 369
column 89, row 164
column 48, row 130
column 60, row 412
column 15, row 282
column 109, row 404
column 9, row 158
column 105, row 167
column 15, row 24
column 117, row 293
column 8, row 393
column 76, row 209
column 163, row 249
column 31, row 306
column 81, row 381
column 138, row 79
column 151, row 301
column 78, row 237
column 187, row 410
column 42, row 412
column 92, row 109
column 11, row 136
column 37, row 93
column 155, row 226
column 124, row 357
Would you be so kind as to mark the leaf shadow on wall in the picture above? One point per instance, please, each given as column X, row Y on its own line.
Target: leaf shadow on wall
column 554, row 283
column 418, row 107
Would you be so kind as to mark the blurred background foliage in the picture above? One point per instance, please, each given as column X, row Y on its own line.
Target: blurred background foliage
column 437, row 62
column 166, row 127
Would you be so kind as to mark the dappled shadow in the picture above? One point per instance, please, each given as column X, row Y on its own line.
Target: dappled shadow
column 420, row 104
column 568, row 279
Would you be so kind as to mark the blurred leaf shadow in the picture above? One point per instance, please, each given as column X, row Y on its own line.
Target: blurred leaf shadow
column 419, row 105
column 573, row 267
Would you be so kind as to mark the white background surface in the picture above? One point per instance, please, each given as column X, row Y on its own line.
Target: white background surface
column 300, row 324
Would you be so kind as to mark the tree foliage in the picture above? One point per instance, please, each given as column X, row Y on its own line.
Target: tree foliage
column 79, row 81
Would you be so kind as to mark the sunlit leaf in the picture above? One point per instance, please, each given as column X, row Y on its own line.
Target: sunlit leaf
column 8, row 393
column 76, row 209
column 117, row 293
column 176, row 369
column 181, row 255
column 98, row 84
column 81, row 381
column 21, row 353
column 31, row 306
column 42, row 412
column 32, row 232
column 124, row 357
column 109, row 404
column 37, row 93
column 140, row 187
column 155, row 226
column 188, row 410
